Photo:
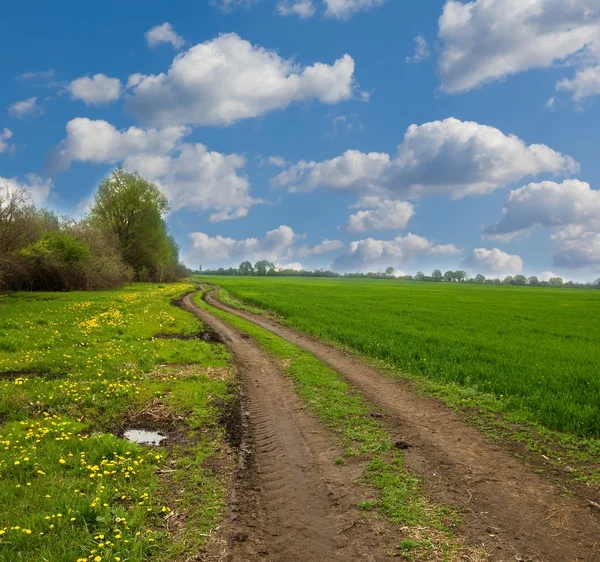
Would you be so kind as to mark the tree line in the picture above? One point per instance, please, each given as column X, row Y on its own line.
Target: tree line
column 123, row 237
column 265, row 268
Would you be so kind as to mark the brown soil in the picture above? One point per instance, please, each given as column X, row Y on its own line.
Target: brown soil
column 516, row 513
column 290, row 501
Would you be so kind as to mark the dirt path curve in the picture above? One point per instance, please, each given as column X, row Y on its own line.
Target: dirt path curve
column 516, row 513
column 290, row 502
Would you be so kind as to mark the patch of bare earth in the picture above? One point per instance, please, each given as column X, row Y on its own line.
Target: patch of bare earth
column 514, row 512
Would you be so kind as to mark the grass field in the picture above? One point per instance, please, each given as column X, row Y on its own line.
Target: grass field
column 76, row 369
column 532, row 352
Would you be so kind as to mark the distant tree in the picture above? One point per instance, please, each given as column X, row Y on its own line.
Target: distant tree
column 437, row 275
column 262, row 267
column 389, row 271
column 449, row 276
column 272, row 269
column 597, row 284
column 533, row 281
column 479, row 278
column 420, row 276
column 246, row 268
column 460, row 275
column 520, row 280
column 556, row 282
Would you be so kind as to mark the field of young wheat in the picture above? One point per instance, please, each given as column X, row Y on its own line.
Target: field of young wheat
column 534, row 351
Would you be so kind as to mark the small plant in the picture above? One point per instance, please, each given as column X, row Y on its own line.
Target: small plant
column 339, row 461
column 367, row 505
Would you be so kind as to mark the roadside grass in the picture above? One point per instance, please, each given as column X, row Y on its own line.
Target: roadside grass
column 80, row 369
column 348, row 415
column 492, row 353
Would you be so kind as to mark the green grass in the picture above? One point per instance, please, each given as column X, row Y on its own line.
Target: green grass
column 343, row 409
column 75, row 370
column 530, row 351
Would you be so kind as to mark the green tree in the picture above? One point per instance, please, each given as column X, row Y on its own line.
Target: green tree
column 509, row 280
column 420, row 276
column 449, row 276
column 262, row 267
column 437, row 275
column 479, row 278
column 556, row 281
column 460, row 275
column 246, row 268
column 132, row 209
column 533, row 281
column 389, row 271
column 520, row 280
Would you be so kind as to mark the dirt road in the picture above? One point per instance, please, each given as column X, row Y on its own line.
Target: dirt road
column 516, row 513
column 290, row 502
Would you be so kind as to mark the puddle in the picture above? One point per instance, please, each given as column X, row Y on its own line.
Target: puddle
column 144, row 437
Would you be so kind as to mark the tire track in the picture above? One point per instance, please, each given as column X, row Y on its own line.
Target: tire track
column 516, row 513
column 289, row 503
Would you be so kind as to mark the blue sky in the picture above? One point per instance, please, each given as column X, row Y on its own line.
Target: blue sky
column 351, row 134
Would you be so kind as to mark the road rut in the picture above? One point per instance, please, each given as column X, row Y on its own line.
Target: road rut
column 290, row 502
column 516, row 513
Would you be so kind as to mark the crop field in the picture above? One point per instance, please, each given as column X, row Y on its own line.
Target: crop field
column 531, row 352
column 76, row 371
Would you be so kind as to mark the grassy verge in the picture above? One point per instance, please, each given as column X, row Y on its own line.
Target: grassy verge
column 424, row 525
column 76, row 370
column 578, row 455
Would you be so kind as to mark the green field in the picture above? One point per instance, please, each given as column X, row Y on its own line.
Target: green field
column 76, row 369
column 534, row 352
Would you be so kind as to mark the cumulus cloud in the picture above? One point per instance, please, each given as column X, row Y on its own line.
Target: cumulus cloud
column 344, row 9
column 385, row 214
column 571, row 210
column 421, row 50
column 301, row 8
column 322, row 248
column 549, row 204
column 25, row 108
column 97, row 90
column 228, row 79
column 5, row 136
column 37, row 188
column 452, row 157
column 494, row 262
column 294, row 266
column 586, row 83
column 365, row 254
column 487, row 40
column 192, row 176
column 163, row 33
column 547, row 275
column 275, row 246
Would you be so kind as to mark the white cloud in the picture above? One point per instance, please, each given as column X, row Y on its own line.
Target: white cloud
column 100, row 142
column 228, row 79
column 586, row 83
column 494, row 262
column 300, row 8
column 163, row 33
column 294, row 266
column 98, row 89
column 275, row 246
column 25, row 108
column 487, row 40
column 37, row 188
column 452, row 157
column 343, row 9
column 421, row 50
column 191, row 175
column 5, row 136
column 385, row 214
column 229, row 5
column 41, row 75
column 370, row 253
column 547, row 275
column 571, row 209
column 549, row 204
column 322, row 248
